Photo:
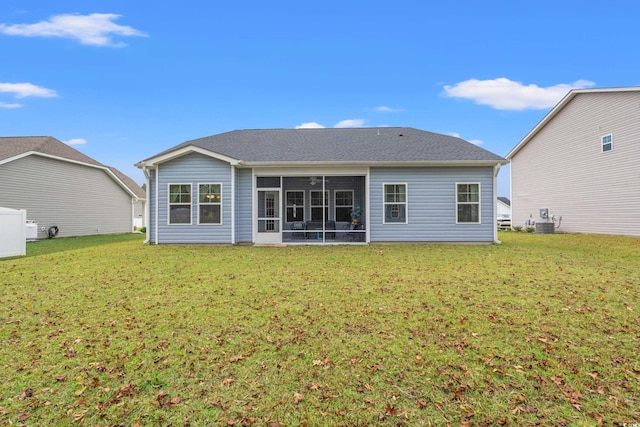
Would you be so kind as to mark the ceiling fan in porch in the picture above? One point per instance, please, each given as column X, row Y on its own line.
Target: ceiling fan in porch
column 313, row 180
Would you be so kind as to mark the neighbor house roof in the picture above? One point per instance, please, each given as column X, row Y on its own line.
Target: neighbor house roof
column 505, row 200
column 15, row 147
column 392, row 145
column 563, row 103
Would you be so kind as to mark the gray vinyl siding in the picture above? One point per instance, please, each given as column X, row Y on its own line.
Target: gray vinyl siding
column 80, row 200
column 431, row 205
column 564, row 169
column 194, row 169
column 244, row 213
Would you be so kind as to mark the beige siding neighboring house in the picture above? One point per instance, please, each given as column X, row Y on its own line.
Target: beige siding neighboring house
column 582, row 162
column 58, row 185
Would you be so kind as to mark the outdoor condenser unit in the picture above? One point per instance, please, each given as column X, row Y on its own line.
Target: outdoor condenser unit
column 32, row 231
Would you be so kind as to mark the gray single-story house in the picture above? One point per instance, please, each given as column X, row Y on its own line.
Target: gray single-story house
column 288, row 186
column 60, row 186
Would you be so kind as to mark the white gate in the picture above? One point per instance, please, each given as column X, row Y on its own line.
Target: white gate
column 13, row 232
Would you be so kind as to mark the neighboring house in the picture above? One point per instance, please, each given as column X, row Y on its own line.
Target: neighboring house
column 582, row 163
column 279, row 186
column 504, row 206
column 58, row 185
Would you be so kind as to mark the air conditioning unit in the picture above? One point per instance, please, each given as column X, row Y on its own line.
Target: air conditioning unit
column 32, row 231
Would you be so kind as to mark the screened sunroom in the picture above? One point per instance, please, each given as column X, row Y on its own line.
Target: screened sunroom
column 310, row 209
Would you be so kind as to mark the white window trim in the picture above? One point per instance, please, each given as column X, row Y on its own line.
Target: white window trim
column 385, row 203
column 211, row 204
column 286, row 206
column 602, row 143
column 335, row 202
column 169, row 204
column 325, row 207
column 479, row 202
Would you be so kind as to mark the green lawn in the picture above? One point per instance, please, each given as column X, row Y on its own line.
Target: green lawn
column 541, row 330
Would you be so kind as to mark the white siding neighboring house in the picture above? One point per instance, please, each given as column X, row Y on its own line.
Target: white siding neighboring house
column 582, row 162
column 58, row 185
column 504, row 206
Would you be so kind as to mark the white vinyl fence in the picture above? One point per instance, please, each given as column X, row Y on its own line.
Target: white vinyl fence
column 13, row 239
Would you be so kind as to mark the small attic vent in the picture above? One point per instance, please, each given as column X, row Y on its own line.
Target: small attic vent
column 400, row 135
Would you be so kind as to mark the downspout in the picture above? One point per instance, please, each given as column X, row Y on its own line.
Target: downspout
column 367, row 193
column 156, row 214
column 146, row 205
column 233, row 205
column 496, row 170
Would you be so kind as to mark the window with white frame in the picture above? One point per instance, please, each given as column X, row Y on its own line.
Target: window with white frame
column 468, row 203
column 179, row 203
column 295, row 206
column 210, row 204
column 395, row 203
column 343, row 205
column 318, row 205
column 607, row 143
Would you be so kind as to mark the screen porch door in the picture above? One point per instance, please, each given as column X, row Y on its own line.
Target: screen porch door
column 269, row 219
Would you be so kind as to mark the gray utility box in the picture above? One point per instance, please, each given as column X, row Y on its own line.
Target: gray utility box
column 545, row 227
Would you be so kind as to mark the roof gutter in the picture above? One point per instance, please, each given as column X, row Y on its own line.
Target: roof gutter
column 448, row 163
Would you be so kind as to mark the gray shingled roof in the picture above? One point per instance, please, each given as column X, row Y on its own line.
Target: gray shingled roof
column 16, row 145
column 505, row 200
column 331, row 145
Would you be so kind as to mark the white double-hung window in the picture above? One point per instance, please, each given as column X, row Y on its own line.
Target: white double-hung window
column 180, row 204
column 210, row 204
column 468, row 202
column 395, row 203
column 319, row 205
column 295, row 206
column 607, row 143
column 343, row 205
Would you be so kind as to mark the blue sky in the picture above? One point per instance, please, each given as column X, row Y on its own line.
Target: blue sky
column 123, row 80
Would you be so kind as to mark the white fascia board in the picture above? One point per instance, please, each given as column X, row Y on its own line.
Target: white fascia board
column 334, row 165
column 64, row 159
column 315, row 169
column 154, row 161
column 559, row 106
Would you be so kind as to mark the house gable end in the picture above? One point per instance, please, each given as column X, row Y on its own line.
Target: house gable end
column 172, row 155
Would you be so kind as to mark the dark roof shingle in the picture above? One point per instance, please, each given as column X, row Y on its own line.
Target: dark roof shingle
column 391, row 144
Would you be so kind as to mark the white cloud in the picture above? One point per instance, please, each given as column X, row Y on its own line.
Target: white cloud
column 350, row 123
column 76, row 141
column 5, row 105
column 310, row 125
column 385, row 109
column 505, row 94
column 94, row 29
column 22, row 90
column 477, row 142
